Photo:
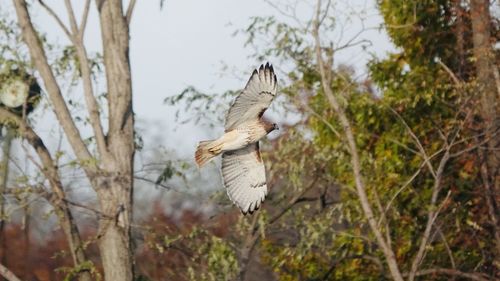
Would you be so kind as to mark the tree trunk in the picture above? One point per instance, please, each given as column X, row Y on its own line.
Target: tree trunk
column 39, row 58
column 115, row 189
column 490, row 105
column 4, row 177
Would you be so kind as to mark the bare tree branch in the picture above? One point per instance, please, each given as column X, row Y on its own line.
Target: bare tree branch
column 417, row 142
column 355, row 161
column 56, row 17
column 455, row 79
column 447, row 247
column 154, row 182
column 431, row 215
column 77, row 38
column 60, row 108
column 76, row 204
column 7, row 274
column 51, row 172
column 452, row 272
column 293, row 201
column 90, row 100
column 71, row 16
column 85, row 16
column 130, row 10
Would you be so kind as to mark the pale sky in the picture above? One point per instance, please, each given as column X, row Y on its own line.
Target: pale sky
column 187, row 43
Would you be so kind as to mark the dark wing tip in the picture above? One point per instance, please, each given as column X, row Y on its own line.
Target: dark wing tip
column 254, row 73
column 252, row 211
column 253, row 208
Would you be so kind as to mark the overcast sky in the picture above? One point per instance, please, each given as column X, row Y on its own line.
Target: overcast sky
column 187, row 43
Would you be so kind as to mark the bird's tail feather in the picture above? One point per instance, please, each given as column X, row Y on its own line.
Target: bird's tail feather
column 206, row 151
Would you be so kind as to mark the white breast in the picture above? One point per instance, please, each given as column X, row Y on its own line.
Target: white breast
column 235, row 139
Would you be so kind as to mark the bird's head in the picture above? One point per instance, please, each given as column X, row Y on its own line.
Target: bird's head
column 269, row 127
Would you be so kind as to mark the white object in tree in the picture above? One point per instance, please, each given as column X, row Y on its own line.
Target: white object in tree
column 14, row 93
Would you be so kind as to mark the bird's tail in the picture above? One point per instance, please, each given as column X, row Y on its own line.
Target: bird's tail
column 206, row 151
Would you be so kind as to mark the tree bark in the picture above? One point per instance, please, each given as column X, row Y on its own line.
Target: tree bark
column 4, row 177
column 490, row 105
column 115, row 189
column 112, row 177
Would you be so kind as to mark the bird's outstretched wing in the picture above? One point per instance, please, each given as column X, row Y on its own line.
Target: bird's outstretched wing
column 251, row 103
column 245, row 177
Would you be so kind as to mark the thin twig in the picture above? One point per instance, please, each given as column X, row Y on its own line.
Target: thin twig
column 130, row 10
column 56, row 17
column 431, row 215
column 153, row 182
column 447, row 247
column 88, row 208
column 452, row 272
column 407, row 183
column 85, row 16
column 71, row 16
column 417, row 142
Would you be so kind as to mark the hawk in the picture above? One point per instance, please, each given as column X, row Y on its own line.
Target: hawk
column 243, row 171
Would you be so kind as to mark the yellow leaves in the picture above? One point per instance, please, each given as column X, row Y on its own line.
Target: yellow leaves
column 474, row 225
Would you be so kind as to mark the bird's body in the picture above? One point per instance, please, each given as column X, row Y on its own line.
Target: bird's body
column 238, row 138
column 243, row 170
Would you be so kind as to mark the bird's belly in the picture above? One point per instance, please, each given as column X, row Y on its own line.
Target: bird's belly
column 256, row 134
column 234, row 140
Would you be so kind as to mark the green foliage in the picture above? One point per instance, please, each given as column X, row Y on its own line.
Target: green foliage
column 73, row 272
column 417, row 108
column 422, row 28
column 417, row 97
column 217, row 258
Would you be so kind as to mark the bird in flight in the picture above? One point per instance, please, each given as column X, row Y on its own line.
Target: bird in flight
column 243, row 170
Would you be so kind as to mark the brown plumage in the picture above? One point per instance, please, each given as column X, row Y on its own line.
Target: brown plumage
column 205, row 152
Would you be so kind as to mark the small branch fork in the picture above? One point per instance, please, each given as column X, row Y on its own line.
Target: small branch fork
column 75, row 34
column 60, row 107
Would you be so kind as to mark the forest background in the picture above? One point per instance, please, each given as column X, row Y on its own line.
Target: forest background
column 386, row 166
